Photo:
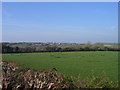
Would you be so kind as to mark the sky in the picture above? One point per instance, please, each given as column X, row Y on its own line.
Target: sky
column 71, row 22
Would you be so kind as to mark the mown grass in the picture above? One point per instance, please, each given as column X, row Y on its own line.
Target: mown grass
column 71, row 63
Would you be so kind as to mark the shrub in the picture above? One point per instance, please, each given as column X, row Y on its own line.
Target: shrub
column 100, row 82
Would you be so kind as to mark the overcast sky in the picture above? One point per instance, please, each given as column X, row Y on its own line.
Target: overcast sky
column 60, row 22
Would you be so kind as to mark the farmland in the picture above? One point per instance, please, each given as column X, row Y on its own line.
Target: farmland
column 71, row 63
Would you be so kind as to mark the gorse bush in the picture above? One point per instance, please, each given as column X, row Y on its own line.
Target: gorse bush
column 79, row 82
column 100, row 82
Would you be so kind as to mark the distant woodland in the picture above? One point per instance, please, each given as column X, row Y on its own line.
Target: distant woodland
column 56, row 47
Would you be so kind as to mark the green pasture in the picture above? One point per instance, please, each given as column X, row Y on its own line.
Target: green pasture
column 71, row 63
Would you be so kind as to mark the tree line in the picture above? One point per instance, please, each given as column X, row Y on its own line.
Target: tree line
column 54, row 48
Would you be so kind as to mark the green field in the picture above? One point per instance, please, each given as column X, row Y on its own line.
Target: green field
column 71, row 63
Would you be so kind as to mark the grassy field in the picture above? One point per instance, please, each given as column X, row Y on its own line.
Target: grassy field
column 71, row 63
